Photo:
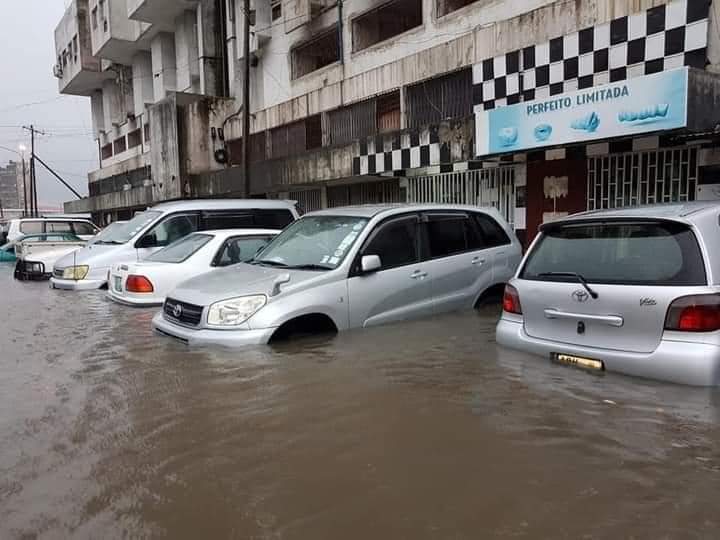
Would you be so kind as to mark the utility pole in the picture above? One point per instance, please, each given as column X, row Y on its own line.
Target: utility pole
column 24, row 188
column 246, row 98
column 33, row 180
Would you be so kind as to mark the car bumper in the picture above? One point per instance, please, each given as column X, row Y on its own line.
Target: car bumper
column 206, row 336
column 30, row 271
column 77, row 285
column 682, row 362
column 135, row 302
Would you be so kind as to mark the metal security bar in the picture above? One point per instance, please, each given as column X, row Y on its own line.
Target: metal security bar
column 381, row 192
column 481, row 187
column 308, row 200
column 636, row 178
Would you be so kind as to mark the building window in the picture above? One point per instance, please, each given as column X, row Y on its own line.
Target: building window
column 95, row 18
column 313, row 55
column 297, row 137
column 438, row 99
column 120, row 145
column 276, row 9
column 384, row 22
column 146, row 133
column 107, row 151
column 388, row 112
column 448, row 6
column 75, row 47
column 134, row 138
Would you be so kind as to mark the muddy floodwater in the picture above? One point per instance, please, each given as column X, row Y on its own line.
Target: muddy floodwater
column 411, row 431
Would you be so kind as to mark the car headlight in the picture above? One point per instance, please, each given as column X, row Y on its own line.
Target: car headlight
column 76, row 272
column 235, row 311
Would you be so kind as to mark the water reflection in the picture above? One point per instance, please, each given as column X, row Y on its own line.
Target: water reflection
column 416, row 430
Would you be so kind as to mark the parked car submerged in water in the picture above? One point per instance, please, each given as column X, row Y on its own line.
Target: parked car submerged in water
column 146, row 283
column 633, row 290
column 348, row 267
column 160, row 226
column 37, row 253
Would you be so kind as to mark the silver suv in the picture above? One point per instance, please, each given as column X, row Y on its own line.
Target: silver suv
column 634, row 290
column 345, row 268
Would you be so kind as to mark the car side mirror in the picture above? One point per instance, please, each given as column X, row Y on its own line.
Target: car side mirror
column 370, row 263
column 147, row 241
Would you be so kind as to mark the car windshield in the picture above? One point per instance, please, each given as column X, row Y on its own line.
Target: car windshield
column 624, row 253
column 107, row 231
column 313, row 243
column 125, row 232
column 180, row 250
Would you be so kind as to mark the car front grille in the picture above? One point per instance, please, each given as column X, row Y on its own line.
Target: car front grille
column 182, row 312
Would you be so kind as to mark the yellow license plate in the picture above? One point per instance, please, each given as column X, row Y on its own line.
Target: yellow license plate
column 577, row 361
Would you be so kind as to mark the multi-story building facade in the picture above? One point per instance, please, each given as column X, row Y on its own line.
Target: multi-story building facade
column 538, row 107
column 11, row 186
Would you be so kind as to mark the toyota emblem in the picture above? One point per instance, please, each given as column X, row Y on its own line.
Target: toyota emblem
column 580, row 295
column 177, row 311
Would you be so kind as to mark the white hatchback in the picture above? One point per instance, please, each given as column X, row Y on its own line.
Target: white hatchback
column 148, row 282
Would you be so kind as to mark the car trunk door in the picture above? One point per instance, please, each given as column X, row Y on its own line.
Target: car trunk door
column 623, row 317
column 637, row 268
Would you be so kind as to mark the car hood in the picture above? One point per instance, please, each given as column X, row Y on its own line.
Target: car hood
column 95, row 256
column 238, row 280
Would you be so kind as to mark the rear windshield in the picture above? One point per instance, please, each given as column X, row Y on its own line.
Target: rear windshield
column 180, row 250
column 638, row 253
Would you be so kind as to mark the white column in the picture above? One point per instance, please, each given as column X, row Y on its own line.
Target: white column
column 142, row 78
column 164, row 69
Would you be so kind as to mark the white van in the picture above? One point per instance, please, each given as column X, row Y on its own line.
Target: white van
column 161, row 225
column 80, row 227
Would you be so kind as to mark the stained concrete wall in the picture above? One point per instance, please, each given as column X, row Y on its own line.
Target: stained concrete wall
column 165, row 154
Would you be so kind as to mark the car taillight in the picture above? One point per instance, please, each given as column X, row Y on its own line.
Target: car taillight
column 700, row 313
column 511, row 300
column 138, row 284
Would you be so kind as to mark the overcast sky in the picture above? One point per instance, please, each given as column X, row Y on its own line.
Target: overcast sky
column 29, row 95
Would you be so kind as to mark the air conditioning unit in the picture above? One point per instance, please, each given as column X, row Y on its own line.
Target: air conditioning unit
column 58, row 71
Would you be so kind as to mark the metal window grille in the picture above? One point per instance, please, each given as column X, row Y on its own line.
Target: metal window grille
column 382, row 192
column 636, row 178
column 481, row 187
column 438, row 99
column 308, row 200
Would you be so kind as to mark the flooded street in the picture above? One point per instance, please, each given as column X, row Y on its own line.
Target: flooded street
column 419, row 430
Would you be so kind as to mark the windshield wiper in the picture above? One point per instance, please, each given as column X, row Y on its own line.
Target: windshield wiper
column 575, row 275
column 269, row 263
column 310, row 267
column 109, row 242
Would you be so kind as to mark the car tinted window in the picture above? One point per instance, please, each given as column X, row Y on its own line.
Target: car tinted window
column 273, row 219
column 395, row 243
column 58, row 226
column 31, row 227
column 492, row 233
column 447, row 235
column 652, row 253
column 240, row 249
column 171, row 229
column 84, row 229
column 220, row 221
column 180, row 250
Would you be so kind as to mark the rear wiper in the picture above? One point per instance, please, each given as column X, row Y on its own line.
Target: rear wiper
column 310, row 267
column 575, row 275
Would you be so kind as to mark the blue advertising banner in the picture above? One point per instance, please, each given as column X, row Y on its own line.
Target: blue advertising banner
column 640, row 105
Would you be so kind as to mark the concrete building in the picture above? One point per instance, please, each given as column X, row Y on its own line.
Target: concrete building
column 533, row 106
column 11, row 186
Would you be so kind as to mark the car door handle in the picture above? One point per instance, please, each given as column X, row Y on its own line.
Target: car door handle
column 418, row 274
column 478, row 261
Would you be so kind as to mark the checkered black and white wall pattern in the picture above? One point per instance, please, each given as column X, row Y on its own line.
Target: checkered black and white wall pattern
column 398, row 151
column 661, row 38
